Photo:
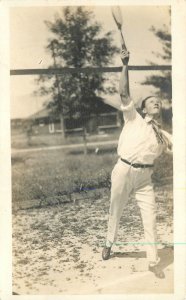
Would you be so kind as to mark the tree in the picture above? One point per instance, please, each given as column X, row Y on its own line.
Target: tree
column 163, row 82
column 77, row 43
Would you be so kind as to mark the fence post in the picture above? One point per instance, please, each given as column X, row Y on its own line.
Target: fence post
column 85, row 141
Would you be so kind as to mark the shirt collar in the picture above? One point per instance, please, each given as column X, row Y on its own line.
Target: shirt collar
column 149, row 119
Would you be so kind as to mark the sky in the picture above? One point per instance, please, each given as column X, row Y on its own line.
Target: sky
column 29, row 35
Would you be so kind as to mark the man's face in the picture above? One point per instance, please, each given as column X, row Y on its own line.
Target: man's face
column 152, row 106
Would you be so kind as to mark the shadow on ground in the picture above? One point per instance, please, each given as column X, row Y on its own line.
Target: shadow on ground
column 166, row 256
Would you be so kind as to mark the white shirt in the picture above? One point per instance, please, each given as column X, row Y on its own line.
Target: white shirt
column 137, row 141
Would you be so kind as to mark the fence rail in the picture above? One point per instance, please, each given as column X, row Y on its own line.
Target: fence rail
column 88, row 70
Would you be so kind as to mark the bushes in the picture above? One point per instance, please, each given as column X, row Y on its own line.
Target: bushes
column 163, row 170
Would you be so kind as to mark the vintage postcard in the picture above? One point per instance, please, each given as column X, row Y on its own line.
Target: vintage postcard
column 93, row 149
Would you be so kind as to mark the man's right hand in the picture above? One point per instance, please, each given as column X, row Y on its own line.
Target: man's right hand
column 125, row 56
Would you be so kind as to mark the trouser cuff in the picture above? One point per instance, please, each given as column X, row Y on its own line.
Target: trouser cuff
column 154, row 263
column 108, row 244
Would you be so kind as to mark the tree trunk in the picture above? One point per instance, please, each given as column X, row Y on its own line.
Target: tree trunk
column 62, row 121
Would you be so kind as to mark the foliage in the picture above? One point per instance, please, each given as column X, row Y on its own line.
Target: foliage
column 78, row 42
column 162, row 82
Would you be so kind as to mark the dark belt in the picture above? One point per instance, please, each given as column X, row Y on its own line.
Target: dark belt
column 136, row 165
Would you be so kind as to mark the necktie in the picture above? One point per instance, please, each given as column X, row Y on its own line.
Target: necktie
column 156, row 128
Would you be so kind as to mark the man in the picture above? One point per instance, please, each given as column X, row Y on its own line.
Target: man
column 140, row 143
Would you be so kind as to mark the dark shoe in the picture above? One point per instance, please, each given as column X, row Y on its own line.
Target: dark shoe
column 106, row 253
column 158, row 272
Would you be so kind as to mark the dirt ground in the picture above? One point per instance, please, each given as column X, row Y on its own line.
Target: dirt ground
column 57, row 249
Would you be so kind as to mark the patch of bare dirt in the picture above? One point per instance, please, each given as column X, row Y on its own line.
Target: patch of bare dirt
column 57, row 250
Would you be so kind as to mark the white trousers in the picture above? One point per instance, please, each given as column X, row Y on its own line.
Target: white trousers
column 124, row 181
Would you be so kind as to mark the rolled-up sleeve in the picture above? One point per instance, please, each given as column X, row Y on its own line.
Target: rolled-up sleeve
column 129, row 111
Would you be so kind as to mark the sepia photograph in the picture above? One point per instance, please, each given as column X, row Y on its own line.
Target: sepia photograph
column 91, row 150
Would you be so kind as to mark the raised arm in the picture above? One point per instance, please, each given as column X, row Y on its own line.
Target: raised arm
column 124, row 79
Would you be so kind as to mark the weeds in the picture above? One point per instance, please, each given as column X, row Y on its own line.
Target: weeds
column 52, row 177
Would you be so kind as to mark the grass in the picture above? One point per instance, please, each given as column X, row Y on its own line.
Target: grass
column 52, row 177
column 57, row 174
